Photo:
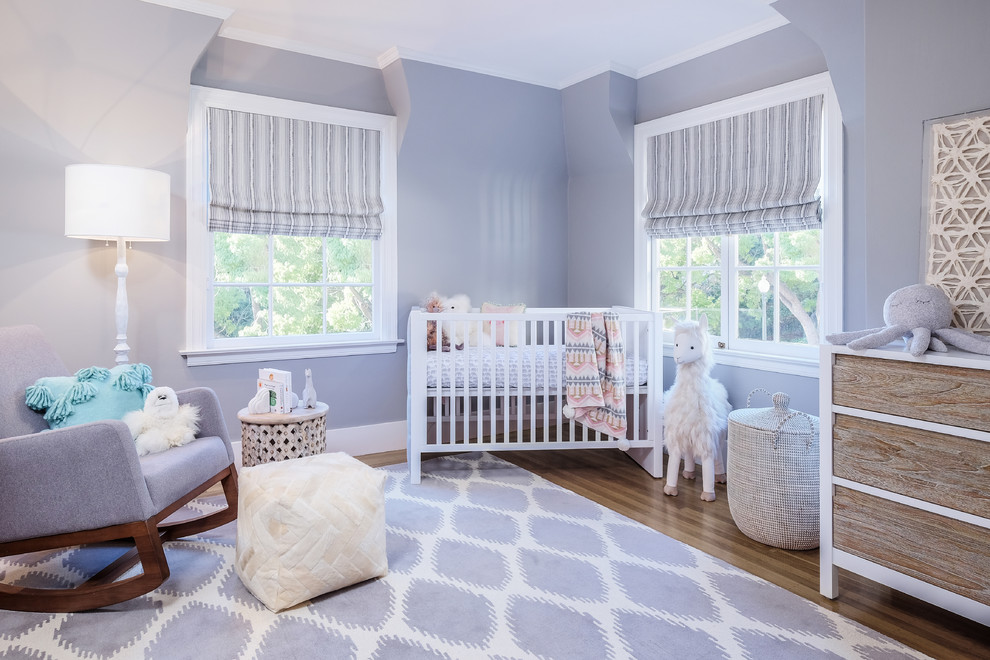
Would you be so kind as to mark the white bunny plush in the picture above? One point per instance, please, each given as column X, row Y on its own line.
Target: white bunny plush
column 163, row 423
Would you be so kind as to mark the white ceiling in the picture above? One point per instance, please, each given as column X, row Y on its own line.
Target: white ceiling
column 554, row 43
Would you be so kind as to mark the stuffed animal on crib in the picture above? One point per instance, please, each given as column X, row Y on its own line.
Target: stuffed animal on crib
column 435, row 303
column 696, row 410
column 163, row 423
column 465, row 332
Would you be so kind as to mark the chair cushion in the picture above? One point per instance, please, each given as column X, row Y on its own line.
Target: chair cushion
column 25, row 356
column 91, row 395
column 173, row 473
column 309, row 525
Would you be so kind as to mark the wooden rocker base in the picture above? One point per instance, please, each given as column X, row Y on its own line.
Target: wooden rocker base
column 105, row 588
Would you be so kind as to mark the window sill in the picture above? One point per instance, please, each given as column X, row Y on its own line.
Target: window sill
column 796, row 366
column 213, row 356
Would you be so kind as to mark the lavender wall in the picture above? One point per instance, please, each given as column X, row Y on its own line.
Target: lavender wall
column 895, row 64
column 598, row 127
column 93, row 81
column 774, row 57
column 841, row 31
column 244, row 67
column 482, row 194
column 482, row 188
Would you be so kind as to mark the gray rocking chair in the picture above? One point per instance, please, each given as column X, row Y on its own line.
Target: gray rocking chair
column 86, row 484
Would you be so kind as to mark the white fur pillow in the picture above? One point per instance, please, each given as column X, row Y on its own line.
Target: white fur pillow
column 500, row 335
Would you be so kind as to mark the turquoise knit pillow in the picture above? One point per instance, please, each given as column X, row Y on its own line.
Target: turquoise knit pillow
column 90, row 395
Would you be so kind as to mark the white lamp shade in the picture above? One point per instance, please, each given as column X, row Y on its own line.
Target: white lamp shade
column 113, row 201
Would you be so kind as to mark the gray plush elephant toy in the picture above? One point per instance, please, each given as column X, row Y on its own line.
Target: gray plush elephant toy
column 920, row 313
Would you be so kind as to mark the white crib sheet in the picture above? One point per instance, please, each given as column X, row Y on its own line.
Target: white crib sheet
column 542, row 365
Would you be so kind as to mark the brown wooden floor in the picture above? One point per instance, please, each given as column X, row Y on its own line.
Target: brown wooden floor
column 612, row 479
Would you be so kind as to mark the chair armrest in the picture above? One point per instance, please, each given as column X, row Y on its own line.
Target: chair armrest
column 210, row 414
column 70, row 479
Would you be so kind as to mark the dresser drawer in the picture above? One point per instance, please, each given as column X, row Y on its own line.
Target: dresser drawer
column 932, row 392
column 942, row 469
column 947, row 553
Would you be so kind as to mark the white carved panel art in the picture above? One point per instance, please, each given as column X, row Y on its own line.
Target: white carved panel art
column 958, row 252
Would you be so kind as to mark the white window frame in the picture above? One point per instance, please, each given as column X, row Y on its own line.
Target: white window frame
column 201, row 346
column 781, row 358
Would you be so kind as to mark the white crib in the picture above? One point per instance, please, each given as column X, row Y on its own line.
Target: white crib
column 485, row 397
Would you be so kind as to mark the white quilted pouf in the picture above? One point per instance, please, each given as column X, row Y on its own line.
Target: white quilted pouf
column 309, row 525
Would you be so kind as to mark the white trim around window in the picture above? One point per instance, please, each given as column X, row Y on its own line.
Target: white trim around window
column 201, row 348
column 832, row 203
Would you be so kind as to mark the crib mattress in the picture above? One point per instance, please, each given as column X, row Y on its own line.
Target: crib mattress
column 540, row 367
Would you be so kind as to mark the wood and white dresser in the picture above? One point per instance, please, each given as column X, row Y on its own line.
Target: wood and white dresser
column 905, row 473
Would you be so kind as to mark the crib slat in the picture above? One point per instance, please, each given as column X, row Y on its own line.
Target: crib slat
column 438, row 411
column 463, row 400
column 506, row 411
column 531, row 328
column 571, row 430
column 479, row 399
column 518, row 401
column 452, row 387
column 635, row 332
column 558, row 342
column 546, row 384
column 492, row 416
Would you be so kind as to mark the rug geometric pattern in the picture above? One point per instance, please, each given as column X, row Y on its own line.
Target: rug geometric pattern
column 486, row 560
column 958, row 258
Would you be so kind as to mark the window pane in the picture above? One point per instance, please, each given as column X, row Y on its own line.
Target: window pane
column 297, row 310
column 672, row 300
column 349, row 260
column 349, row 309
column 756, row 307
column 799, row 307
column 672, row 252
column 706, row 251
column 240, row 311
column 706, row 298
column 297, row 259
column 240, row 257
column 800, row 248
column 755, row 249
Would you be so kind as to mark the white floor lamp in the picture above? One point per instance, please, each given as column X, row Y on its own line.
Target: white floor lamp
column 112, row 202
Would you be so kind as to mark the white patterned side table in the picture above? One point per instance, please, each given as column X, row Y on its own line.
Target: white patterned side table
column 267, row 437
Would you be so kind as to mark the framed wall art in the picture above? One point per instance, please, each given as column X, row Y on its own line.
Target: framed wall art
column 957, row 208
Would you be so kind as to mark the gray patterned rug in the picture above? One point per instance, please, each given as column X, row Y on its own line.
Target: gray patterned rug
column 486, row 560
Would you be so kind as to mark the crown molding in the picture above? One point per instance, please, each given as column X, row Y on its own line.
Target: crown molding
column 713, row 45
column 397, row 53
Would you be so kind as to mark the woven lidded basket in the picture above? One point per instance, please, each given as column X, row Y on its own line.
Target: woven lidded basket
column 772, row 474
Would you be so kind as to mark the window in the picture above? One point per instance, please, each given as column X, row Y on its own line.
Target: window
column 776, row 278
column 768, row 295
column 291, row 246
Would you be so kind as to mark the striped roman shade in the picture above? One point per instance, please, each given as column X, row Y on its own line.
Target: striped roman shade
column 751, row 173
column 274, row 175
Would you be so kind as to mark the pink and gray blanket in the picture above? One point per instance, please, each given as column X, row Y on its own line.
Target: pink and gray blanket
column 595, row 372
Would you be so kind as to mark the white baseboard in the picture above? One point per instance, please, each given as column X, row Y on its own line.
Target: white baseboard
column 371, row 439
column 357, row 440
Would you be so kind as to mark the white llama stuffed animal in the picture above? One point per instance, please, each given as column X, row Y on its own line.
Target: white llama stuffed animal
column 696, row 410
